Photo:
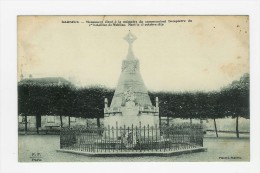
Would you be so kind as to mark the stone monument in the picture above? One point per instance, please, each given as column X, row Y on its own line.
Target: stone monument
column 131, row 104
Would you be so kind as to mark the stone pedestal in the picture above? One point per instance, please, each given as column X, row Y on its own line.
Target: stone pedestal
column 131, row 116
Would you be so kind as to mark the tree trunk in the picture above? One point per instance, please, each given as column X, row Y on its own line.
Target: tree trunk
column 26, row 128
column 216, row 130
column 38, row 122
column 237, row 132
column 160, row 124
column 168, row 121
column 61, row 123
column 98, row 122
column 69, row 121
column 190, row 120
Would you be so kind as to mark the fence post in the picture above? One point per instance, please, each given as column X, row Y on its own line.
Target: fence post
column 148, row 135
column 124, row 136
column 152, row 139
column 201, row 135
column 137, row 137
column 96, row 138
column 105, row 139
column 156, row 142
column 144, row 139
column 116, row 131
column 121, row 138
column 133, row 142
column 108, row 141
column 117, row 137
column 112, row 142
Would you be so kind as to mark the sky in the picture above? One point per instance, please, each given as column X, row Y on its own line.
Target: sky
column 205, row 54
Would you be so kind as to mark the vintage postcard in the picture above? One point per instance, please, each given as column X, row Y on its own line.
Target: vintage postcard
column 133, row 89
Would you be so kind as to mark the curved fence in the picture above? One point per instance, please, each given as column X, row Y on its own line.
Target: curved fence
column 132, row 139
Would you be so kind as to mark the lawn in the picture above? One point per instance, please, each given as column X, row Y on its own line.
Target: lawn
column 226, row 148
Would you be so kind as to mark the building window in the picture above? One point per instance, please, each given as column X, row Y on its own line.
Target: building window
column 72, row 119
column 50, row 119
column 21, row 119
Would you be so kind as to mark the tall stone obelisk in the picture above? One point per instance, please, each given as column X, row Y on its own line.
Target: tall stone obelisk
column 131, row 104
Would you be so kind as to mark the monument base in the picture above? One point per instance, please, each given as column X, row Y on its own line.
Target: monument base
column 158, row 153
column 133, row 145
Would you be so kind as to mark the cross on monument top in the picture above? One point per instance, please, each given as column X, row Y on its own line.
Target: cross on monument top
column 130, row 38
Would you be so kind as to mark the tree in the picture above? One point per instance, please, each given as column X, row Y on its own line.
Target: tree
column 43, row 99
column 61, row 100
column 23, row 103
column 32, row 100
column 89, row 102
column 66, row 100
column 236, row 99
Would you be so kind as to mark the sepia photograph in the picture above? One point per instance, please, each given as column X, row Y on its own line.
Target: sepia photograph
column 133, row 88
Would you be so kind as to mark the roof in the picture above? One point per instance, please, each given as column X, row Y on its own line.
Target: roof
column 45, row 81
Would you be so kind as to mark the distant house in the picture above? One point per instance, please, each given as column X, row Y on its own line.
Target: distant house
column 44, row 81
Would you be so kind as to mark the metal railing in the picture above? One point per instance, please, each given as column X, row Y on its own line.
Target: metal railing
column 132, row 139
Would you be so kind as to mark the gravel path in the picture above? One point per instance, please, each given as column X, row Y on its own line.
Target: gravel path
column 219, row 149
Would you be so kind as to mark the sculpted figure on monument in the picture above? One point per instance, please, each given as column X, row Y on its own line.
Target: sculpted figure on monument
column 129, row 97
